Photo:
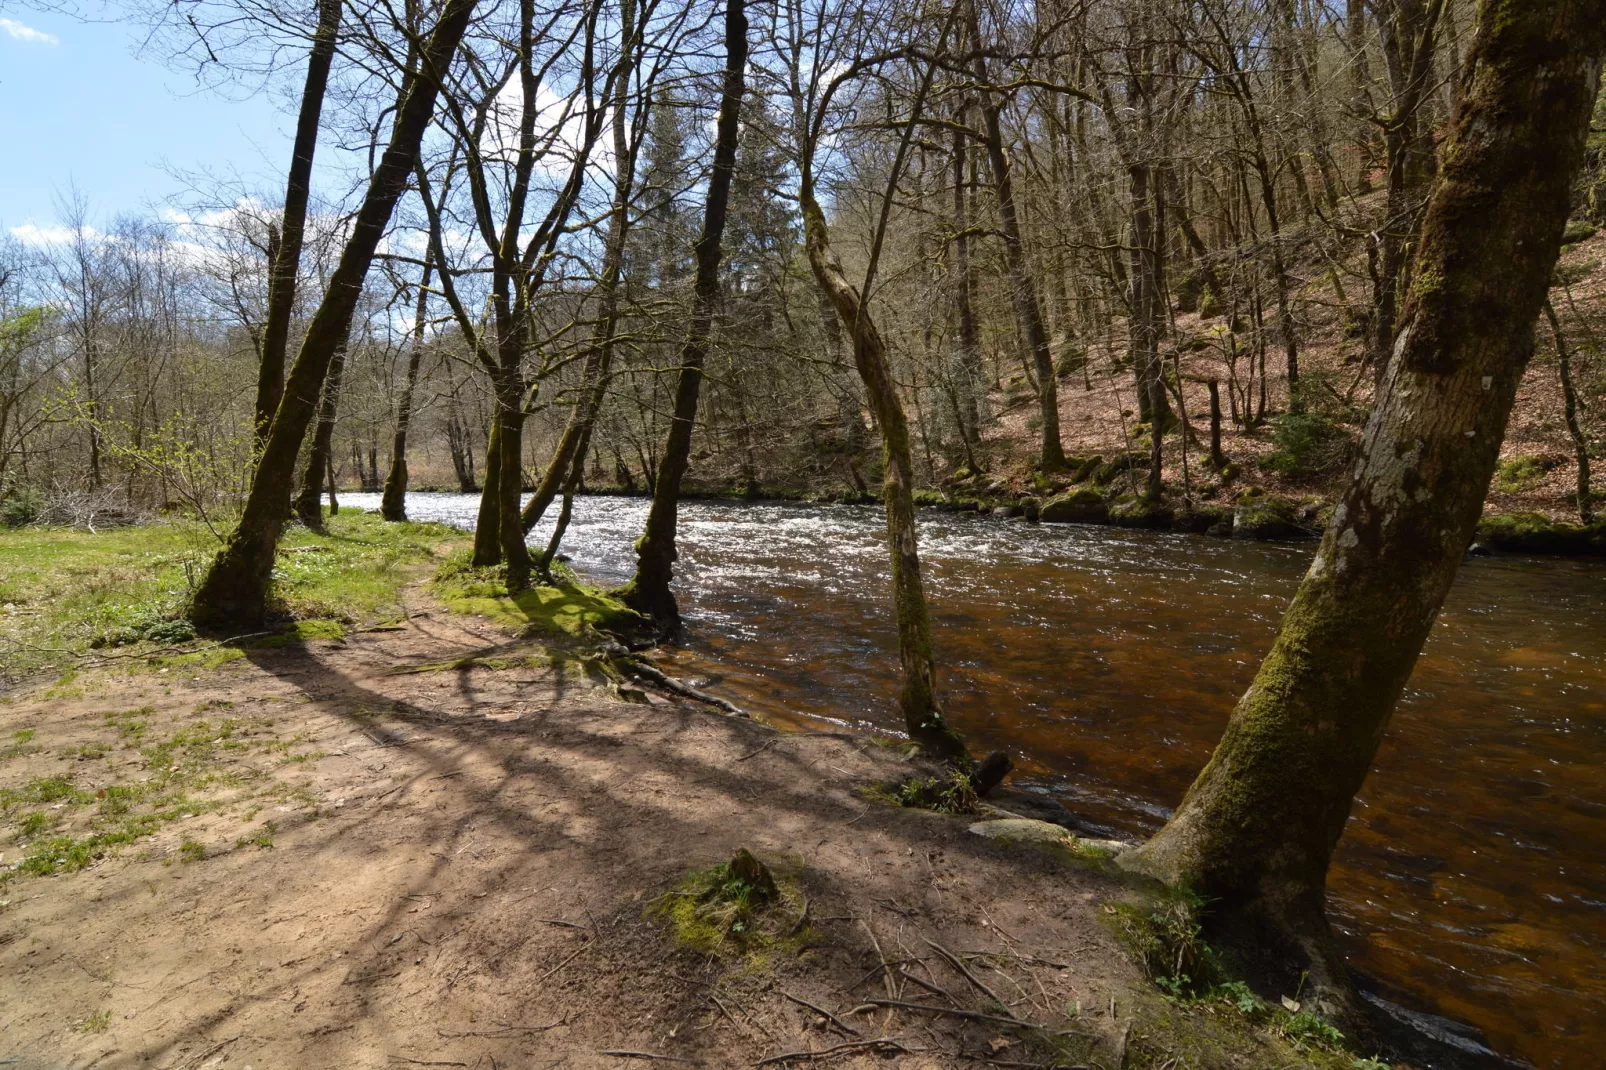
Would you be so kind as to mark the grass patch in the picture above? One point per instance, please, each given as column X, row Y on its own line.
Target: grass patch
column 75, row 590
column 568, row 610
column 949, row 793
column 736, row 907
column 98, row 1022
column 196, row 767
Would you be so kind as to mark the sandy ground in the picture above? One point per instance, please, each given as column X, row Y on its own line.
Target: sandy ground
column 460, row 868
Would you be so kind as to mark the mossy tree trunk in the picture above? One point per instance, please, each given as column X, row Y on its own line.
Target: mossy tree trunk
column 285, row 255
column 648, row 590
column 917, row 698
column 234, row 591
column 1256, row 831
column 321, row 459
column 968, row 363
column 393, row 506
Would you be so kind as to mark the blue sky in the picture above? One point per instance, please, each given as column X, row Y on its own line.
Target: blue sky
column 77, row 106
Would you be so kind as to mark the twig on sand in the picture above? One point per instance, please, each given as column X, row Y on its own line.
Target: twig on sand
column 504, row 1031
column 649, row 1055
column 954, row 961
column 565, row 962
column 840, row 1024
column 761, row 750
column 974, row 1016
column 889, row 1044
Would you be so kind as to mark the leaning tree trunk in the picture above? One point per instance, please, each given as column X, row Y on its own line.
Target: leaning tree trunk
column 648, row 590
column 918, row 699
column 320, row 460
column 234, row 591
column 393, row 506
column 286, row 255
column 1256, row 831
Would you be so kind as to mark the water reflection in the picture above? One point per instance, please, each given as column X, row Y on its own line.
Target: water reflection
column 1472, row 878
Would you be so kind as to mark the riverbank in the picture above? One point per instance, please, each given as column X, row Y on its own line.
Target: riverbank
column 1103, row 494
column 423, row 840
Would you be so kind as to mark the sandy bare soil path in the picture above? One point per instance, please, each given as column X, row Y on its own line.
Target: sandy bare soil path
column 461, row 862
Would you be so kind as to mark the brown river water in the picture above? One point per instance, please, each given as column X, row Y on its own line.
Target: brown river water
column 1471, row 881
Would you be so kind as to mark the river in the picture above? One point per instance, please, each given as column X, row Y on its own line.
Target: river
column 1471, row 880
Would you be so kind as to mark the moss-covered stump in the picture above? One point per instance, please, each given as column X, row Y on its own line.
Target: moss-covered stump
column 1258, row 515
column 1085, row 506
column 1538, row 534
column 1202, row 519
column 1140, row 513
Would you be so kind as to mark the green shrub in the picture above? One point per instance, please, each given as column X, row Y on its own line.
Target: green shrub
column 1308, row 444
column 21, row 506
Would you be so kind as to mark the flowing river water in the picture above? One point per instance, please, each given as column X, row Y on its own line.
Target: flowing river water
column 1471, row 880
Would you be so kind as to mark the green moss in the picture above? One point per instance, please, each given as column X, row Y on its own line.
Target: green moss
column 571, row 610
column 1521, row 473
column 1578, row 230
column 1258, row 515
column 1136, row 512
column 735, row 908
column 1538, row 534
column 1082, row 506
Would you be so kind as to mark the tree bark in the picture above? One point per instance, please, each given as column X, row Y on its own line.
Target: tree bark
column 1569, row 394
column 1022, row 282
column 918, row 698
column 599, row 362
column 234, row 591
column 393, row 506
column 1256, row 831
column 320, row 460
column 648, row 590
column 286, row 258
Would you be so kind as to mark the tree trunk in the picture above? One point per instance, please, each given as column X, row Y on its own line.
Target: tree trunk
column 488, row 522
column 968, row 367
column 1586, row 506
column 286, row 255
column 1022, row 283
column 320, row 461
column 234, row 591
column 393, row 506
column 599, row 362
column 918, row 699
column 648, row 590
column 1256, row 831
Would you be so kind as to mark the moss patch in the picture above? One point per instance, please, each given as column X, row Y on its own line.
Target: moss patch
column 735, row 909
column 570, row 609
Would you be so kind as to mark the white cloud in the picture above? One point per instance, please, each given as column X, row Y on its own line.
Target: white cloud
column 32, row 234
column 19, row 32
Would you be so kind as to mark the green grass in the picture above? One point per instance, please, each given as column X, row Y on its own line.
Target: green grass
column 71, row 590
column 570, row 609
column 184, row 770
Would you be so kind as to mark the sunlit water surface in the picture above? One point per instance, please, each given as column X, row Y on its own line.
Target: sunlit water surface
column 1472, row 877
